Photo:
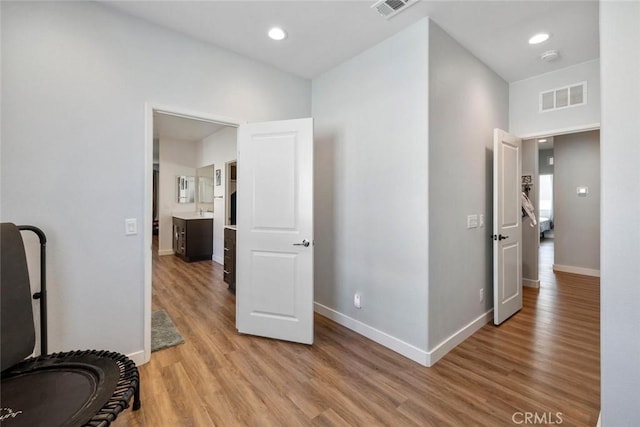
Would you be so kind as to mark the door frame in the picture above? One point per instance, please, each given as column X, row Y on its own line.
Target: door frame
column 147, row 221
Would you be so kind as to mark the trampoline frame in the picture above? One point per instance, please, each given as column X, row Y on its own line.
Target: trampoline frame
column 128, row 383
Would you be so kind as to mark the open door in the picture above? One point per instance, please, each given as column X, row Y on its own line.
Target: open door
column 507, row 220
column 274, row 255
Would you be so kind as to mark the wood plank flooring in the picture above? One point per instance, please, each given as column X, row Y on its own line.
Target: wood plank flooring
column 545, row 360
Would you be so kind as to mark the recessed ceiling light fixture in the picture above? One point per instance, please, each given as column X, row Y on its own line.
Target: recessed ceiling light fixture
column 539, row 38
column 542, row 140
column 277, row 33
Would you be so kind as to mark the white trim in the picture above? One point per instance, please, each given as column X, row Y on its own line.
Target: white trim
column 528, row 283
column 137, row 357
column 149, row 109
column 576, row 270
column 164, row 252
column 599, row 419
column 465, row 332
column 147, row 202
column 425, row 358
column 562, row 131
column 407, row 350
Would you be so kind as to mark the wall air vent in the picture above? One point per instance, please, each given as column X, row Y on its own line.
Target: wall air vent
column 390, row 8
column 563, row 97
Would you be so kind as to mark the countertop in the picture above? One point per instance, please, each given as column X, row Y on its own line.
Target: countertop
column 193, row 215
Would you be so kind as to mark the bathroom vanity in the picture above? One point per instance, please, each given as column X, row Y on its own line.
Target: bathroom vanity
column 193, row 236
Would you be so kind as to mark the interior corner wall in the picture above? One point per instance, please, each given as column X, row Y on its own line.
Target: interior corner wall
column 218, row 149
column 525, row 118
column 177, row 158
column 467, row 100
column 75, row 80
column 530, row 235
column 370, row 118
column 577, row 219
column 620, row 157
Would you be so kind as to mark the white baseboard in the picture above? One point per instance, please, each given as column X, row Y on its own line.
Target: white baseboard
column 137, row 357
column 424, row 358
column 465, row 332
column 163, row 252
column 599, row 419
column 407, row 350
column 531, row 283
column 576, row 270
column 218, row 259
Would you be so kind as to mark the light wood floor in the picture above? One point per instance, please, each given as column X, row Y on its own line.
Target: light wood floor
column 544, row 360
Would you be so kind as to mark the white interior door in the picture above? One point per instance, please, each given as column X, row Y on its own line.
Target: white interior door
column 507, row 220
column 274, row 249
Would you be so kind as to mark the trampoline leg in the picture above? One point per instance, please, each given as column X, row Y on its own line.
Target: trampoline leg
column 136, row 398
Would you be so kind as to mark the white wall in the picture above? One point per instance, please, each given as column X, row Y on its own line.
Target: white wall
column 620, row 269
column 525, row 118
column 75, row 80
column 218, row 149
column 467, row 100
column 177, row 158
column 371, row 190
column 577, row 219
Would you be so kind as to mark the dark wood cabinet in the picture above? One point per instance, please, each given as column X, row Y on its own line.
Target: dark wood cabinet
column 230, row 258
column 193, row 238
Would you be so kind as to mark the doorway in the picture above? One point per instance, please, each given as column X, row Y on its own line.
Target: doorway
column 190, row 136
column 565, row 170
column 546, row 222
column 232, row 185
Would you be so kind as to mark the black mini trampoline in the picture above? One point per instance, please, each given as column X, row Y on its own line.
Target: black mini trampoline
column 76, row 388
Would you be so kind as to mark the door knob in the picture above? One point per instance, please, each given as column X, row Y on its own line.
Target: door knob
column 304, row 243
column 499, row 237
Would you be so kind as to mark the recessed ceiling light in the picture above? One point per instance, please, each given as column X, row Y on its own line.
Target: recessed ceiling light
column 277, row 33
column 539, row 38
column 542, row 140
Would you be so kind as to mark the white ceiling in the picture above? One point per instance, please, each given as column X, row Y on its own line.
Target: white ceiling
column 184, row 129
column 322, row 34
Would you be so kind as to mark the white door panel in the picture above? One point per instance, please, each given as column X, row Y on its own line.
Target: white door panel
column 507, row 220
column 274, row 285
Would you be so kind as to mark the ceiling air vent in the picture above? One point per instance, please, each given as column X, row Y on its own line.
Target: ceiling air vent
column 389, row 8
column 563, row 97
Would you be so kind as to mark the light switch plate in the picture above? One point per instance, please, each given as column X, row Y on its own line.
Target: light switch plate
column 472, row 221
column 582, row 191
column 130, row 226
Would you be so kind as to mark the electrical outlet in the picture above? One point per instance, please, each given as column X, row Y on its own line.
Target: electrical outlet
column 357, row 302
column 481, row 295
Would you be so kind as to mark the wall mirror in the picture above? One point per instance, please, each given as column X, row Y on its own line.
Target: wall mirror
column 186, row 189
column 205, row 189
